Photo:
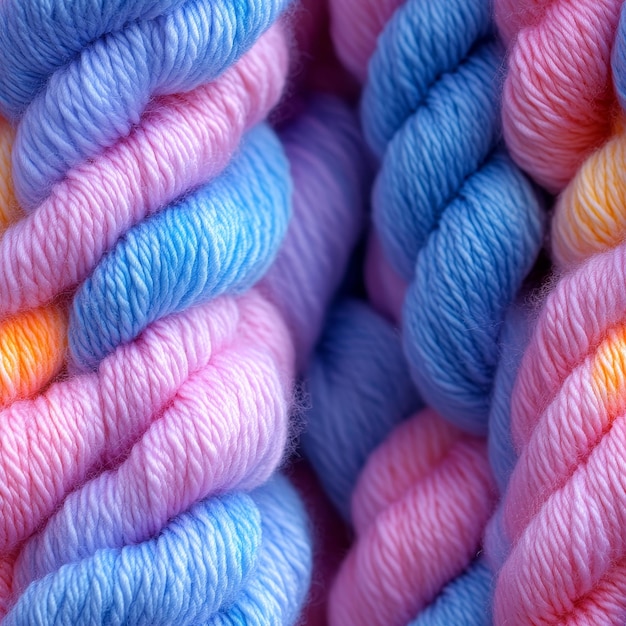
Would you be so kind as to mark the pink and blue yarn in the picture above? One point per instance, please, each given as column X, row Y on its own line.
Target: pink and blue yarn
column 150, row 417
column 219, row 239
column 259, row 331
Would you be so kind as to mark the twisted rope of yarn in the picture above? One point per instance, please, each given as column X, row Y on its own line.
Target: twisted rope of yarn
column 455, row 217
column 558, row 102
column 559, row 538
column 231, row 559
column 182, row 141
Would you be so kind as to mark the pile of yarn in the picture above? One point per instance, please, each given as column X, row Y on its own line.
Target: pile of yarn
column 228, row 394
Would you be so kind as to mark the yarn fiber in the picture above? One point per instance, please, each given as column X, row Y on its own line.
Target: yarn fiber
column 182, row 142
column 455, row 217
column 32, row 343
column 220, row 238
column 419, row 510
column 232, row 559
column 558, row 103
column 561, row 523
column 116, row 74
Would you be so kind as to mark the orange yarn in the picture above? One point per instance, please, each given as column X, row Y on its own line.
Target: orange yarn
column 32, row 343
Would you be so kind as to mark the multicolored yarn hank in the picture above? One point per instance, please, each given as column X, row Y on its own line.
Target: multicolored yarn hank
column 559, row 541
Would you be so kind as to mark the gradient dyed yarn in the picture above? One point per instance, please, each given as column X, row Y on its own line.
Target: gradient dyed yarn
column 559, row 541
column 183, row 141
column 32, row 343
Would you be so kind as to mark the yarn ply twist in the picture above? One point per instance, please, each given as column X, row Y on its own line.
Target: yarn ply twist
column 32, row 343
column 558, row 102
column 231, row 559
column 204, row 411
column 181, row 142
column 454, row 216
column 91, row 71
column 419, row 488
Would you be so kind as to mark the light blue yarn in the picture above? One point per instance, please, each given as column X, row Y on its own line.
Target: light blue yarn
column 466, row 601
column 466, row 277
column 238, row 559
column 98, row 96
column 360, row 389
column 454, row 214
column 444, row 33
column 220, row 238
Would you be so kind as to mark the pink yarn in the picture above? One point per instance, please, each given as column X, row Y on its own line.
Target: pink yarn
column 565, row 508
column 202, row 399
column 419, row 511
column 355, row 26
column 182, row 141
column 558, row 99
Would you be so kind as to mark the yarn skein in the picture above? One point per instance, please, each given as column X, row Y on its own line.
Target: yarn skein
column 361, row 394
column 564, row 498
column 558, row 101
column 231, row 352
column 419, row 511
column 230, row 559
column 32, row 343
column 219, row 239
column 117, row 73
column 183, row 141
column 456, row 218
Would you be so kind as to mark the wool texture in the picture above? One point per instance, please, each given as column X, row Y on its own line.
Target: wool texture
column 558, row 538
column 182, row 141
column 456, row 218
column 231, row 559
column 558, row 102
column 360, row 389
column 221, row 238
column 117, row 73
column 32, row 343
column 419, row 511
column 196, row 405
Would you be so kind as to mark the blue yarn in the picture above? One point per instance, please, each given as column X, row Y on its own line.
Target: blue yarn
column 618, row 60
column 221, row 238
column 99, row 94
column 466, row 601
column 444, row 33
column 360, row 389
column 466, row 277
column 454, row 214
column 514, row 339
column 238, row 559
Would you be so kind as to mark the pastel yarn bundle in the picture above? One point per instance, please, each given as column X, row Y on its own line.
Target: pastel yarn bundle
column 32, row 343
column 147, row 424
column 457, row 218
column 561, row 533
column 246, row 347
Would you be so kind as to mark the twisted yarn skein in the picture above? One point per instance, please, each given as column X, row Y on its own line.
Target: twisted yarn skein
column 32, row 343
column 238, row 354
column 558, row 103
column 406, row 481
column 182, row 141
column 230, row 559
column 564, row 498
column 455, row 217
